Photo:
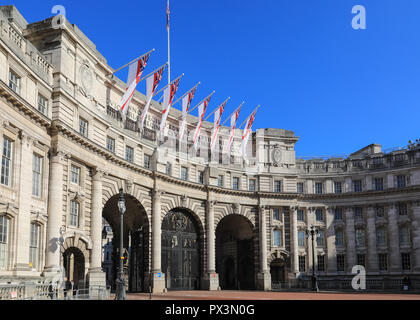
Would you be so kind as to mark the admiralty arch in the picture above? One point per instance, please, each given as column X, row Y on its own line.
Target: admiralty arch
column 191, row 222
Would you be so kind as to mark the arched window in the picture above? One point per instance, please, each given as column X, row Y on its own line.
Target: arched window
column 34, row 245
column 4, row 238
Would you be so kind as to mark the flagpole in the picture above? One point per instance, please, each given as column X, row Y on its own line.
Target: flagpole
column 186, row 93
column 224, row 102
column 168, row 84
column 145, row 77
column 169, row 47
column 131, row 62
column 255, row 110
column 232, row 113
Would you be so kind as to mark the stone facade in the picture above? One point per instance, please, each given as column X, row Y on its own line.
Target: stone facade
column 68, row 160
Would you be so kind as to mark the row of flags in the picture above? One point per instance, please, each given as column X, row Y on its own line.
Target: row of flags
column 135, row 72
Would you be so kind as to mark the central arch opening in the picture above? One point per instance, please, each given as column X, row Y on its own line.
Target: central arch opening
column 181, row 250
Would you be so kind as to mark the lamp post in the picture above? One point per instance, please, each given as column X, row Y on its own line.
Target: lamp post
column 313, row 232
column 120, row 282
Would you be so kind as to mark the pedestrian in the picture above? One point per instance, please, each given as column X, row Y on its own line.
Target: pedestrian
column 67, row 288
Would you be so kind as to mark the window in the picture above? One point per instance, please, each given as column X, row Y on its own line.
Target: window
column 83, row 127
column 36, row 175
column 405, row 259
column 235, row 183
column 357, row 185
column 380, row 211
column 402, row 209
column 339, row 238
column 379, row 184
column 277, row 186
column 200, row 177
column 360, row 238
column 277, row 238
column 319, row 215
column 340, row 262
column 276, row 214
column 33, row 246
column 358, row 213
column 252, row 184
column 380, row 237
column 110, row 144
column 338, row 214
column 302, row 264
column 318, row 187
column 220, row 181
column 74, row 213
column 401, row 181
column 301, row 238
column 14, row 81
column 404, row 235
column 300, row 187
column 361, row 260
column 184, row 173
column 42, row 105
column 337, row 187
column 378, row 161
column 383, row 261
column 147, row 161
column 129, row 154
column 6, row 162
column 300, row 215
column 4, row 235
column 75, row 174
column 320, row 238
column 168, row 169
column 321, row 262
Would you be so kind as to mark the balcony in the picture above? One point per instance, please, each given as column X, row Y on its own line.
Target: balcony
column 149, row 134
column 131, row 125
column 114, row 114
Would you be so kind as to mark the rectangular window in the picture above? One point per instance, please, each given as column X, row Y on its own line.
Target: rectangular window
column 74, row 213
column 301, row 238
column 357, row 185
column 338, row 214
column 321, row 262
column 4, row 236
column 168, row 169
column 379, row 184
column 277, row 186
column 383, row 261
column 404, row 235
column 402, row 209
column 14, row 81
column 337, row 187
column 361, row 260
column 319, row 215
column 340, row 262
column 147, row 161
column 277, row 238
column 401, row 181
column 235, row 183
column 252, row 183
column 320, row 239
column 300, row 187
column 83, row 127
column 380, row 237
column 300, row 215
column 358, row 213
column 36, row 175
column 200, row 177
column 380, row 211
column 184, row 173
column 6, row 162
column 42, row 105
column 302, row 264
column 75, row 174
column 318, row 188
column 339, row 238
column 276, row 214
column 360, row 238
column 220, row 181
column 33, row 246
column 406, row 261
column 110, row 144
column 129, row 154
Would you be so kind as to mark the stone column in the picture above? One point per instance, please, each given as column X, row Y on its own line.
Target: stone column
column 331, row 249
column 350, row 240
column 25, row 192
column 372, row 263
column 158, row 282
column 416, row 234
column 311, row 221
column 393, row 241
column 55, row 213
column 294, row 241
column 96, row 275
column 264, row 276
column 211, row 278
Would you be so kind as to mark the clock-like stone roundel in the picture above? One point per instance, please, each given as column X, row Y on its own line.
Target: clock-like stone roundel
column 277, row 156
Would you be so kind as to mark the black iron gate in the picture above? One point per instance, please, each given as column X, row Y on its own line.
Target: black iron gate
column 180, row 251
column 136, row 261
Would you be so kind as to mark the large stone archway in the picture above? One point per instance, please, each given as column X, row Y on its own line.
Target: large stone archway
column 135, row 241
column 235, row 259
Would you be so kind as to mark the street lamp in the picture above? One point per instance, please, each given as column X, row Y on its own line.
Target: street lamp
column 120, row 282
column 313, row 232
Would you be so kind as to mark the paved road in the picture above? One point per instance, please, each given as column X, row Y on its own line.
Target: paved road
column 259, row 295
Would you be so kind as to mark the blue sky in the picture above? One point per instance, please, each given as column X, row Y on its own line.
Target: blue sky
column 337, row 88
